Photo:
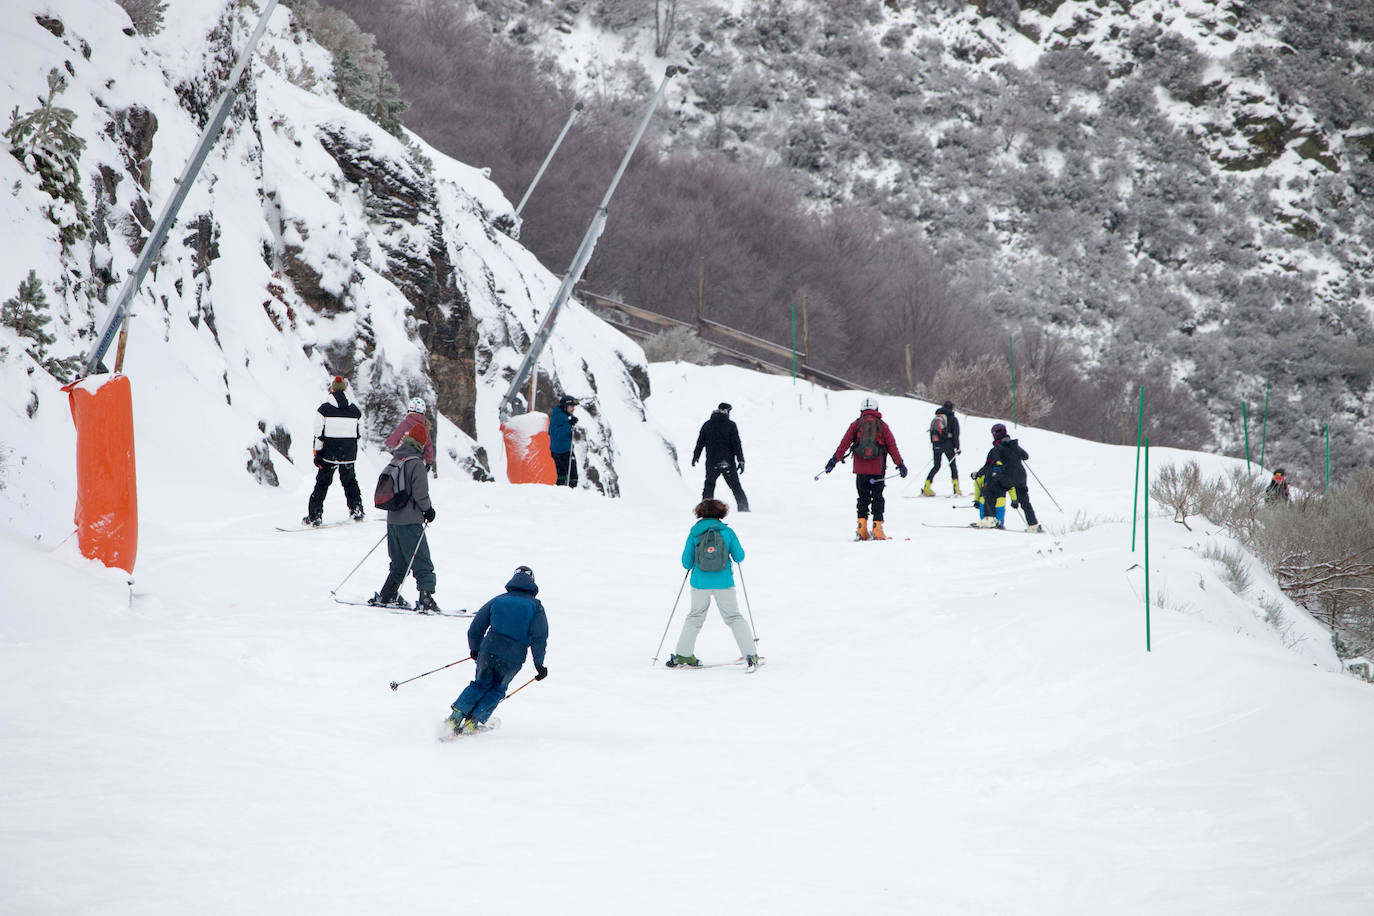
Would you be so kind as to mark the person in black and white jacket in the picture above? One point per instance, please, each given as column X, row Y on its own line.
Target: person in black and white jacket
column 337, row 430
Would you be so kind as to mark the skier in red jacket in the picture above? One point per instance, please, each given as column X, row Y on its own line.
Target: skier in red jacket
column 870, row 441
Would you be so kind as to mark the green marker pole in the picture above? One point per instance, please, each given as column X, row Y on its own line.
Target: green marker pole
column 1264, row 424
column 1011, row 351
column 1328, row 458
column 1135, row 492
column 1245, row 423
column 1147, row 545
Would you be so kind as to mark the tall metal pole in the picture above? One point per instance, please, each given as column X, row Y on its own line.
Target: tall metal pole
column 577, row 110
column 579, row 261
column 169, row 212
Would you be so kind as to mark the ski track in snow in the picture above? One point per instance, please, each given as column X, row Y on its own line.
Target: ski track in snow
column 948, row 724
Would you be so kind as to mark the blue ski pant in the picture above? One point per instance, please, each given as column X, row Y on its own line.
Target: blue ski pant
column 480, row 698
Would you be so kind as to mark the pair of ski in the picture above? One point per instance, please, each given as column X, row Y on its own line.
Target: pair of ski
column 976, row 527
column 734, row 664
column 392, row 609
column 447, row 734
column 347, row 521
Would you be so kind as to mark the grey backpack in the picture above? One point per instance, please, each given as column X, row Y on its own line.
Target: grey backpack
column 711, row 554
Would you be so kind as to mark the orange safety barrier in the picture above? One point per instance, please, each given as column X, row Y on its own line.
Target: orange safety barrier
column 106, row 483
column 527, row 449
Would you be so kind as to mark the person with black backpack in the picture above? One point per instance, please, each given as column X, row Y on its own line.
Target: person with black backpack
column 1004, row 474
column 719, row 436
column 944, row 442
column 870, row 441
column 403, row 490
column 710, row 548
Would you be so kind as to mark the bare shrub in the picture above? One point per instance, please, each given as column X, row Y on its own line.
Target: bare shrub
column 1234, row 502
column 1182, row 490
column 983, row 386
column 1321, row 549
column 678, row 345
column 1235, row 572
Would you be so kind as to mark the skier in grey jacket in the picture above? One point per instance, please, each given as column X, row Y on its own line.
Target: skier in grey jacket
column 406, row 543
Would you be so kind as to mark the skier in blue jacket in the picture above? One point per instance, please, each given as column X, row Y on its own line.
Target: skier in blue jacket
column 561, row 423
column 718, row 583
column 504, row 629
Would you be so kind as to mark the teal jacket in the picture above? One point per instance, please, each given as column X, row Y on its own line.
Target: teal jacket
column 724, row 578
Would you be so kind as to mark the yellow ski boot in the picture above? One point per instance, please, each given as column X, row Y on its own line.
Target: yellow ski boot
column 957, row 492
column 926, row 490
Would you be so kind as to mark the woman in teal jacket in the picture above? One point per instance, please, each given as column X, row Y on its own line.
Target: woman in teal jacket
column 716, row 580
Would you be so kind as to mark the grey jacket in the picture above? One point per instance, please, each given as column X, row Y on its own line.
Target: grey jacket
column 417, row 485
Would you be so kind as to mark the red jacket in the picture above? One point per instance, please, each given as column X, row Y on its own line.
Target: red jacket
column 873, row 466
column 409, row 420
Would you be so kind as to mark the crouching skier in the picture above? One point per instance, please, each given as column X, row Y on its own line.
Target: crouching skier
column 504, row 629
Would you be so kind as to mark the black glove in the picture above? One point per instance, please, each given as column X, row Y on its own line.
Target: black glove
column 1015, row 504
column 901, row 469
column 830, row 465
column 540, row 672
column 572, row 421
column 473, row 654
column 958, row 451
column 740, row 469
column 429, row 514
column 319, row 462
column 694, row 462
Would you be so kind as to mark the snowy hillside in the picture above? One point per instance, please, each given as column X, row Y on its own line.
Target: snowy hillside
column 952, row 721
column 313, row 243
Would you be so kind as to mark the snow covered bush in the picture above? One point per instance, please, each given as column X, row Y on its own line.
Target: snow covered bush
column 983, row 386
column 146, row 15
column 361, row 74
column 45, row 141
column 677, row 345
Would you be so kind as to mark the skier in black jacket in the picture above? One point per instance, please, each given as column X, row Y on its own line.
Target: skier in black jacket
column 944, row 442
column 719, row 436
column 1003, row 472
column 336, row 446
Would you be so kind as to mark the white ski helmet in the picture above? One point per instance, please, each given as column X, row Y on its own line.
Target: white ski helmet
column 416, row 405
column 869, row 403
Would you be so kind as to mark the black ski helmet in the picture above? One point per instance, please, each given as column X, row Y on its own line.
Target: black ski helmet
column 567, row 400
column 999, row 431
column 723, row 407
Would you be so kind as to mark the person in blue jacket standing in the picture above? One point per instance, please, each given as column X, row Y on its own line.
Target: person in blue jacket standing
column 709, row 552
column 561, row 423
column 504, row 629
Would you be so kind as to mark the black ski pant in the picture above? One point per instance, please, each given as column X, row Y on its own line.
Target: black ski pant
column 871, row 494
column 324, row 477
column 727, row 470
column 566, row 469
column 944, row 450
column 995, row 491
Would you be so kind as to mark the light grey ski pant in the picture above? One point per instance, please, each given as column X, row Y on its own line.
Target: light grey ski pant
column 729, row 612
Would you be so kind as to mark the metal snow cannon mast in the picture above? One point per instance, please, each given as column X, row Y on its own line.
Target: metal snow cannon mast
column 102, row 403
column 526, row 435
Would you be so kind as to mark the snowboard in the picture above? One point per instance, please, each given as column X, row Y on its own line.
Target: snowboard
column 347, row 521
column 446, row 612
column 447, row 734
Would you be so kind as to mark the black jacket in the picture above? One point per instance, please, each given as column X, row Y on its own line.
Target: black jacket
column 951, row 436
column 1009, row 454
column 337, row 430
column 719, row 436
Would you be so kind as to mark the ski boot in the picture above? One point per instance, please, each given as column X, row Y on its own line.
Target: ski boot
column 357, row 513
column 312, row 521
column 926, row 490
column 751, row 662
column 426, row 603
column 957, row 492
column 1034, row 529
column 986, row 521
column 878, row 534
column 682, row 661
column 396, row 601
column 862, row 533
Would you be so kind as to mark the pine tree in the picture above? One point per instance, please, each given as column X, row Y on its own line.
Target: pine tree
column 45, row 141
column 26, row 313
column 146, row 15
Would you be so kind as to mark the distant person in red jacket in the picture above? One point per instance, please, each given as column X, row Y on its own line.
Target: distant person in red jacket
column 416, row 415
column 870, row 441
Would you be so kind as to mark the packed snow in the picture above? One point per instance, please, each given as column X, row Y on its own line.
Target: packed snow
column 952, row 721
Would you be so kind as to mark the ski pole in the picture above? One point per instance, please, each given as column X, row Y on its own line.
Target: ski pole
column 747, row 606
column 395, row 684
column 520, row 688
column 670, row 616
column 413, row 554
column 355, row 569
column 1042, row 485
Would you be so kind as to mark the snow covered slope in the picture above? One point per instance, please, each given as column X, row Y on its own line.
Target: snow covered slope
column 962, row 722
